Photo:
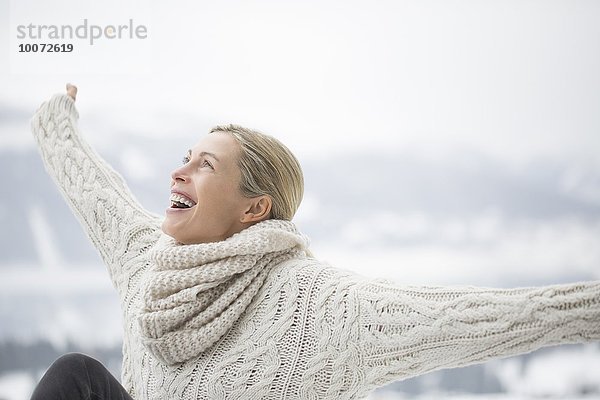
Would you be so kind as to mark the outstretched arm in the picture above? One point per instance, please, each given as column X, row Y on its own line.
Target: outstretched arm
column 115, row 222
column 369, row 333
column 407, row 331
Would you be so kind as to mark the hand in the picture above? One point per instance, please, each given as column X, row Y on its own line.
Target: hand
column 72, row 91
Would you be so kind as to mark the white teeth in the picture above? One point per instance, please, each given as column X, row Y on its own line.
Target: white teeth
column 181, row 199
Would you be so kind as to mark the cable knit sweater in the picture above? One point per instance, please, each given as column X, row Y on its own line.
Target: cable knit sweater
column 308, row 331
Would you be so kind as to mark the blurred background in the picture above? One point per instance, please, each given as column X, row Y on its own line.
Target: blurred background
column 443, row 142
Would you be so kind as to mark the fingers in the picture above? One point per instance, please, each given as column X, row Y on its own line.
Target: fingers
column 72, row 90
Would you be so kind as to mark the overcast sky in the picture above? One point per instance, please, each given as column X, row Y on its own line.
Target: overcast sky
column 505, row 89
column 516, row 79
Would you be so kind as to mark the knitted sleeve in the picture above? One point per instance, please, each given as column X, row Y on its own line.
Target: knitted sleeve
column 117, row 225
column 407, row 331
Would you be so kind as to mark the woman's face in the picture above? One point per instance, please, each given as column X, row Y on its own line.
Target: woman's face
column 206, row 203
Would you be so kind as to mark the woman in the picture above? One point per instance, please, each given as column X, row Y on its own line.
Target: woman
column 222, row 299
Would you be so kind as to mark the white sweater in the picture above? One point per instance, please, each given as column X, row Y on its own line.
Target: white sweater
column 311, row 331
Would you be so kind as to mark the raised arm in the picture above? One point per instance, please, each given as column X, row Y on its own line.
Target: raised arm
column 407, row 331
column 115, row 222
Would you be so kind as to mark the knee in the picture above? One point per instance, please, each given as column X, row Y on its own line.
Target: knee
column 66, row 378
column 70, row 362
column 76, row 366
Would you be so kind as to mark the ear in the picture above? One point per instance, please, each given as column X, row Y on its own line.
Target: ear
column 259, row 209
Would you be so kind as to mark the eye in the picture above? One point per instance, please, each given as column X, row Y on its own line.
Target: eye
column 207, row 164
column 185, row 160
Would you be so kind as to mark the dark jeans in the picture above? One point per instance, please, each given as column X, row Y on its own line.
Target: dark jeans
column 76, row 376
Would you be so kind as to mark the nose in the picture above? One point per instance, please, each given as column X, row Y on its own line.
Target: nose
column 179, row 175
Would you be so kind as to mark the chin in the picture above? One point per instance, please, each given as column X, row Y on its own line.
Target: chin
column 165, row 228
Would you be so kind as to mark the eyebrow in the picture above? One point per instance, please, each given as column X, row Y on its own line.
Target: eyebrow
column 204, row 153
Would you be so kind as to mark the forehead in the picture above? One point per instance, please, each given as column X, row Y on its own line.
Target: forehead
column 221, row 144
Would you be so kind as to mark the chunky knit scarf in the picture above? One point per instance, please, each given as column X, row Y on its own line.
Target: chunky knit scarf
column 194, row 293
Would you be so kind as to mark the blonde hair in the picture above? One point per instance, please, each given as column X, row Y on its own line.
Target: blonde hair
column 268, row 167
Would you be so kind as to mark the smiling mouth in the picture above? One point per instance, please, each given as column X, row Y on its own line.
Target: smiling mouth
column 179, row 201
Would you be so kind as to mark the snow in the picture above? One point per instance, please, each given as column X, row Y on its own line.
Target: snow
column 564, row 372
column 16, row 386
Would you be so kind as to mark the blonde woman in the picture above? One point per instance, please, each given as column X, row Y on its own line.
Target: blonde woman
column 222, row 299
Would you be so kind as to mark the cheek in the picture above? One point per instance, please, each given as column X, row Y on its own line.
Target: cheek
column 214, row 204
column 221, row 192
